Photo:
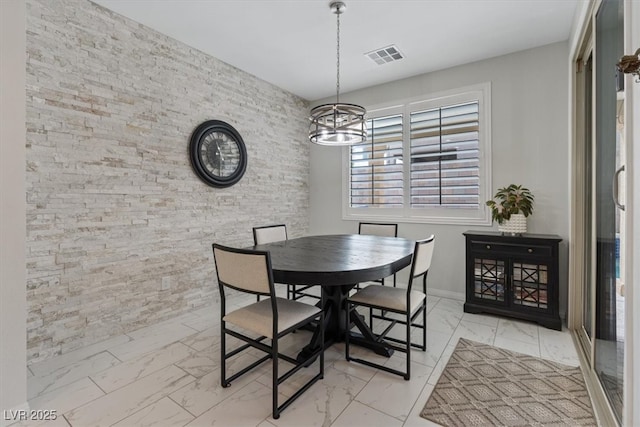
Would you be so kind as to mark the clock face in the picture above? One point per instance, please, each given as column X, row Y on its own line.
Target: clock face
column 218, row 154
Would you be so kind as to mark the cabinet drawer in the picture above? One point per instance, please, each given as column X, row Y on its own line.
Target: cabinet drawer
column 509, row 249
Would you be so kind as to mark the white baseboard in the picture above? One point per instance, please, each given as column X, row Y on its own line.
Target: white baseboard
column 6, row 416
column 460, row 296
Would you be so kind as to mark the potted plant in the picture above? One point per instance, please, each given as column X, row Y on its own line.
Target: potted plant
column 510, row 207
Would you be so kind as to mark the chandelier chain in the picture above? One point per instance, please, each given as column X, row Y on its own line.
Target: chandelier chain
column 338, row 58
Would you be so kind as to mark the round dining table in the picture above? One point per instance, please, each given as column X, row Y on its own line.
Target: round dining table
column 337, row 263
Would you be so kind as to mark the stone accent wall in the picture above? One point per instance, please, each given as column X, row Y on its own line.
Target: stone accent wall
column 113, row 207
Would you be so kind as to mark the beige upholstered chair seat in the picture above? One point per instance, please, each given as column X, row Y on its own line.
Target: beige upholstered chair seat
column 388, row 298
column 257, row 317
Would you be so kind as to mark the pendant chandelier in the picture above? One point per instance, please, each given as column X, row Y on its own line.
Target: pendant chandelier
column 338, row 124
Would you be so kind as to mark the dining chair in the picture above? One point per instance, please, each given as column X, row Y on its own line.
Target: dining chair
column 379, row 229
column 408, row 303
column 251, row 272
column 277, row 233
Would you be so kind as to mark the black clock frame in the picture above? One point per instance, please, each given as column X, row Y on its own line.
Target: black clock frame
column 197, row 137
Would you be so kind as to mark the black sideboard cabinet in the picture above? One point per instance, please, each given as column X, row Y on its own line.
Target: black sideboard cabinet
column 515, row 276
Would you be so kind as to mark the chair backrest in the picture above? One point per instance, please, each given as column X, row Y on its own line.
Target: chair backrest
column 378, row 229
column 422, row 254
column 244, row 270
column 269, row 233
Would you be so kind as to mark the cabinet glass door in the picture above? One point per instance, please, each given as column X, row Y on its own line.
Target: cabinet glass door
column 489, row 279
column 530, row 285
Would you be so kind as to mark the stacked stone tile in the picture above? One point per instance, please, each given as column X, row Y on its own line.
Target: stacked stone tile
column 113, row 205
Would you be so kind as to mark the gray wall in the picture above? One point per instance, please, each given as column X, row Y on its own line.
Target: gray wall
column 113, row 207
column 530, row 128
column 13, row 369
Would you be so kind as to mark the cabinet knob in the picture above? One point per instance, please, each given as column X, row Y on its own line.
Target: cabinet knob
column 488, row 246
column 530, row 250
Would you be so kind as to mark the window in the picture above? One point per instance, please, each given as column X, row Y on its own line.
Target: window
column 376, row 167
column 445, row 157
column 424, row 161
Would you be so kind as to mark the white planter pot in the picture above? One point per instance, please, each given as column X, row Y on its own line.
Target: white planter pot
column 517, row 224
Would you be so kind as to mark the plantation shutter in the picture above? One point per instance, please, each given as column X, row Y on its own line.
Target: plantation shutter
column 445, row 161
column 376, row 178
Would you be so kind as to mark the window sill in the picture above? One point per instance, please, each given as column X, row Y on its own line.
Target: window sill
column 419, row 219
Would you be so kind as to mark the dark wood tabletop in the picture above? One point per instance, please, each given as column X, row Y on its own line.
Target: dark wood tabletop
column 332, row 260
column 337, row 263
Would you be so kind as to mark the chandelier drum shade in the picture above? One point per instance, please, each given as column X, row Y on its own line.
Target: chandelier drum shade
column 339, row 123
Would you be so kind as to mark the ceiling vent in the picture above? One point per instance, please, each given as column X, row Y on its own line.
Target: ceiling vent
column 385, row 55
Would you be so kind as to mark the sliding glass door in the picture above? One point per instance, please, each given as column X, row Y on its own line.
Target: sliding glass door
column 602, row 153
column 609, row 341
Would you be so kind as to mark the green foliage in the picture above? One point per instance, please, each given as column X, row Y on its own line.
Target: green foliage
column 511, row 200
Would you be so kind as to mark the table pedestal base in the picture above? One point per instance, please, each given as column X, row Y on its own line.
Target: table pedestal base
column 335, row 325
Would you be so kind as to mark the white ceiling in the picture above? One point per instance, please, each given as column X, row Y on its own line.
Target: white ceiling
column 292, row 43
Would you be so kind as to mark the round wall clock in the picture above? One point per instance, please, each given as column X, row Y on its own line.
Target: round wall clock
column 218, row 154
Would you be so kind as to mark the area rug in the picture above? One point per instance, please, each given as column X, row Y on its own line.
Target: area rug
column 484, row 385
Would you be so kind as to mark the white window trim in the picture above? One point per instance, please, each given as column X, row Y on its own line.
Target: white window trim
column 481, row 216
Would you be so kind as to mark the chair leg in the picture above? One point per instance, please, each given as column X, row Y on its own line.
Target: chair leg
column 408, row 331
column 424, row 326
column 322, row 340
column 274, row 385
column 347, row 331
column 223, row 356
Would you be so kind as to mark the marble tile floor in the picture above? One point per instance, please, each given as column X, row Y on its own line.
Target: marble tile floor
column 168, row 375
